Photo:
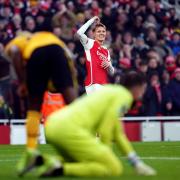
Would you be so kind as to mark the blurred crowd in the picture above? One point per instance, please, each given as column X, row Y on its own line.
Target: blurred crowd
column 141, row 34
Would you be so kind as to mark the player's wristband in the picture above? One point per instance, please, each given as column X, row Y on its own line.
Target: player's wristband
column 133, row 158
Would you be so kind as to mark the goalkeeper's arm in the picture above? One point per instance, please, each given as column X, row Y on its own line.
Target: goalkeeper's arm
column 127, row 149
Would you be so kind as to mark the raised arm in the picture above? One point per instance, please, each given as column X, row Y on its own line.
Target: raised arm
column 56, row 19
column 81, row 31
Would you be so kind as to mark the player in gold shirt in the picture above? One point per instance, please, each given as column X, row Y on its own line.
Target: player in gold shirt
column 39, row 59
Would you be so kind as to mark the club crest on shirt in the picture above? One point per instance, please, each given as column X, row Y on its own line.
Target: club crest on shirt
column 102, row 56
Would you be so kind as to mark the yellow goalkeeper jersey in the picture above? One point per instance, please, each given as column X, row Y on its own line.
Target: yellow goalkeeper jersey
column 98, row 112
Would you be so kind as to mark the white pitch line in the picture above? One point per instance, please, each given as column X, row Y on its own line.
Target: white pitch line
column 158, row 158
column 8, row 160
column 143, row 158
column 161, row 158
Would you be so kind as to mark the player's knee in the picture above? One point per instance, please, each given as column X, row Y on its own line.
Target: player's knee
column 116, row 169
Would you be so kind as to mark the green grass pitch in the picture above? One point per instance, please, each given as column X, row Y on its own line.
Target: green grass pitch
column 163, row 156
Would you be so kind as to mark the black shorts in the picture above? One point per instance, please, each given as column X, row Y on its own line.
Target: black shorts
column 48, row 63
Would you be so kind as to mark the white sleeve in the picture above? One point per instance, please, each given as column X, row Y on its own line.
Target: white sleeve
column 85, row 41
column 110, row 68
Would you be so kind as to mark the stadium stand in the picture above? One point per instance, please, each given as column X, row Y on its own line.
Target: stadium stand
column 142, row 35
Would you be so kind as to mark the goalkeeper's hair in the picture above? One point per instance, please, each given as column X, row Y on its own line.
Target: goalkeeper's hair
column 133, row 78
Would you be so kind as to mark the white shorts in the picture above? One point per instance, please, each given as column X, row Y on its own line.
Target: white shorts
column 92, row 88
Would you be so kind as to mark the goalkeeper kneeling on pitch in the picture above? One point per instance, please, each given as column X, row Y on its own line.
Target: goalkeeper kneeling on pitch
column 72, row 131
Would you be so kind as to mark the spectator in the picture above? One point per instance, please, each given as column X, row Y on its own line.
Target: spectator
column 6, row 13
column 30, row 24
column 5, row 35
column 137, row 30
column 173, row 17
column 107, row 15
column 137, row 27
column 151, row 7
column 121, row 22
column 136, row 63
column 151, row 39
column 124, row 64
column 153, row 96
column 165, row 97
column 5, row 110
column 17, row 23
column 178, row 60
column 143, row 67
column 174, row 44
column 96, row 10
column 154, row 67
column 165, row 32
column 81, row 61
column 162, row 48
column 57, row 31
column 66, row 20
column 174, row 96
column 170, row 64
column 140, row 48
column 134, row 8
column 5, row 86
column 126, row 51
column 127, row 38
